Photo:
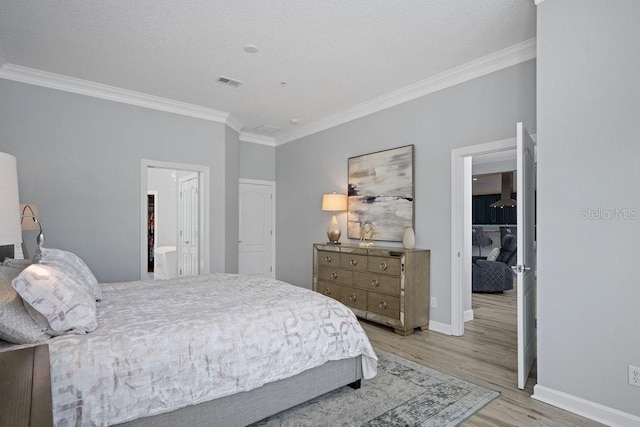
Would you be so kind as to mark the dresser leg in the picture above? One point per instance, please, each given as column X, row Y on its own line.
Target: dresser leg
column 402, row 332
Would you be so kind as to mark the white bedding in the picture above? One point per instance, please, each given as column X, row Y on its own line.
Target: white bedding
column 163, row 345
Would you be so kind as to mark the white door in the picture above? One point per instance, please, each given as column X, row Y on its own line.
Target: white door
column 188, row 233
column 256, row 228
column 526, row 265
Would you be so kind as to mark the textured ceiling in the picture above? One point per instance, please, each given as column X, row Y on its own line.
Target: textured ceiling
column 332, row 54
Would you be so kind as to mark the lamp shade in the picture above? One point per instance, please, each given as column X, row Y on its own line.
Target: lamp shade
column 334, row 202
column 10, row 232
column 29, row 223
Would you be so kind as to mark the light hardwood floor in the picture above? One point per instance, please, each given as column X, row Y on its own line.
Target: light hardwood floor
column 486, row 355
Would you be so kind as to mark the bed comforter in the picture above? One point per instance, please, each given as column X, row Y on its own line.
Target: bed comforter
column 162, row 345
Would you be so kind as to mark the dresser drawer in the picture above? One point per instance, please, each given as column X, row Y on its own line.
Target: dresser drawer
column 335, row 275
column 384, row 265
column 328, row 259
column 353, row 261
column 377, row 283
column 356, row 298
column 383, row 304
column 330, row 289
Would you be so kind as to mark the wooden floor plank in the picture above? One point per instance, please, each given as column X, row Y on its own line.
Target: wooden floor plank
column 485, row 355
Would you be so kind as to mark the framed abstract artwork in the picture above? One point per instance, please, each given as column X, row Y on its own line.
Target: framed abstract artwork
column 381, row 193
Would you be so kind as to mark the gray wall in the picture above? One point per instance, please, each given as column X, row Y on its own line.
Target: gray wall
column 588, row 154
column 79, row 161
column 257, row 161
column 482, row 110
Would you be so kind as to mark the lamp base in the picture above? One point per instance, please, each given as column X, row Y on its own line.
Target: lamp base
column 333, row 231
column 334, row 243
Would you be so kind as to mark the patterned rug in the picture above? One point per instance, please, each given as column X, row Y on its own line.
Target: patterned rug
column 403, row 393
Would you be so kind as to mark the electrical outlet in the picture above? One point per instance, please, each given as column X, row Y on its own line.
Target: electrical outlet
column 634, row 376
column 434, row 304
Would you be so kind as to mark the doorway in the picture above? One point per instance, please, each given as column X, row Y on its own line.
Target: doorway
column 163, row 180
column 461, row 176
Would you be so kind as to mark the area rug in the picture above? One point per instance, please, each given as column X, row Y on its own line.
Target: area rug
column 403, row 393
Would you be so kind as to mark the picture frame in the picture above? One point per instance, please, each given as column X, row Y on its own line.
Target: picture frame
column 381, row 193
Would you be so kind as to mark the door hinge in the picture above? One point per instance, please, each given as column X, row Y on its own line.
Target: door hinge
column 271, row 269
column 271, row 195
column 271, row 232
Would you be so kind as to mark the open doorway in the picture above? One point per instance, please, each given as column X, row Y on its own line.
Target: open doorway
column 461, row 230
column 174, row 210
column 493, row 218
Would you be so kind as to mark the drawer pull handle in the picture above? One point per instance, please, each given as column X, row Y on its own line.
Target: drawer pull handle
column 375, row 282
column 383, row 304
column 383, row 265
column 334, row 275
column 327, row 258
column 327, row 291
column 352, row 297
column 353, row 262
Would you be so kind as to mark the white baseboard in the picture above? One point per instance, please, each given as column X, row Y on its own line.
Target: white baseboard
column 468, row 315
column 594, row 411
column 443, row 328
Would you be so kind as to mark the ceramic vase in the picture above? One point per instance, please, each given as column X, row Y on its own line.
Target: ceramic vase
column 409, row 238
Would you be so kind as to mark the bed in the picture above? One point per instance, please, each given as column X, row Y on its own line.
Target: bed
column 216, row 349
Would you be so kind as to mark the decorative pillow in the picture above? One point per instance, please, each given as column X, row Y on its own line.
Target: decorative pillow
column 57, row 302
column 493, row 255
column 72, row 264
column 17, row 263
column 16, row 325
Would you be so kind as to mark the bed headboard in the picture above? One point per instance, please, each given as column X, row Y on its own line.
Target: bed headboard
column 6, row 251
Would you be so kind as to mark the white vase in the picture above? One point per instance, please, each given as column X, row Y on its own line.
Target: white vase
column 409, row 238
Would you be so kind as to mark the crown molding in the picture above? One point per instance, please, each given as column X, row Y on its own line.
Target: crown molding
column 504, row 58
column 234, row 123
column 257, row 138
column 537, row 2
column 111, row 93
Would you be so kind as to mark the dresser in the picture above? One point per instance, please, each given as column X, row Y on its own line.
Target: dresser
column 385, row 285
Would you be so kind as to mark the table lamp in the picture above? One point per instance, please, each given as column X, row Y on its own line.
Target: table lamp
column 334, row 202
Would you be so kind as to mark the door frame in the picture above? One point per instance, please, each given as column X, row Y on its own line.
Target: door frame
column 461, row 222
column 204, row 201
column 272, row 185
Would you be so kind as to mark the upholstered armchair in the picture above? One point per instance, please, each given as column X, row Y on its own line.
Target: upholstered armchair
column 496, row 276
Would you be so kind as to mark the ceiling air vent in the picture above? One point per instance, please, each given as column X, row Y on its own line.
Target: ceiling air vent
column 229, row 82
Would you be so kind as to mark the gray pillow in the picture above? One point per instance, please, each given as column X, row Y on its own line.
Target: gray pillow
column 71, row 264
column 57, row 302
column 16, row 325
column 493, row 255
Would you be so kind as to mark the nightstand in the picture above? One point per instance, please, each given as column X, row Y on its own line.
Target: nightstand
column 25, row 387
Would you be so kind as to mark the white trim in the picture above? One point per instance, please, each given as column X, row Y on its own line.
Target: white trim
column 234, row 123
column 504, row 58
column 468, row 315
column 537, row 2
column 593, row 411
column 204, row 182
column 272, row 186
column 256, row 138
column 457, row 218
column 443, row 328
column 111, row 93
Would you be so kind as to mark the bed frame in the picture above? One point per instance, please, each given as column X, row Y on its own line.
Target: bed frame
column 248, row 407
